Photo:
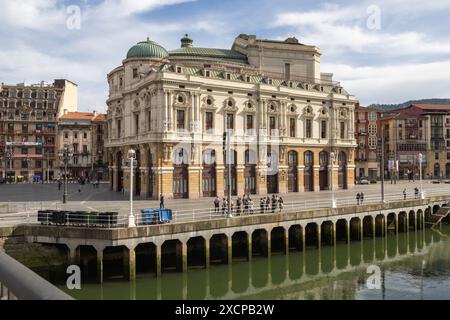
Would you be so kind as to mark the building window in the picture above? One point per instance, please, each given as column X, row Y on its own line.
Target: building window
column 120, row 82
column 448, row 155
column 372, row 142
column 208, row 120
column 342, row 131
column 85, row 148
column 135, row 73
column 436, row 156
column 66, row 134
column 272, row 125
column 308, row 128
column 230, row 121
column 180, row 120
column 178, row 69
column 372, row 129
column 75, row 135
column 136, row 124
column 372, row 116
column 400, row 134
column 292, row 127
column 323, row 129
column 249, row 124
column 287, row 71
column 119, row 128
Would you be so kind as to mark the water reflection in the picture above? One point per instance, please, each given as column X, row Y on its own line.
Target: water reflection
column 414, row 264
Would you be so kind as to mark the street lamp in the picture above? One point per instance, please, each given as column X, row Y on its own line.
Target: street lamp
column 420, row 175
column 131, row 218
column 64, row 156
column 333, row 200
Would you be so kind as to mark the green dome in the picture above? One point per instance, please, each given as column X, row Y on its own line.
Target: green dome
column 147, row 49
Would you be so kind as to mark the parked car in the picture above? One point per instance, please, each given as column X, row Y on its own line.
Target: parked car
column 364, row 181
column 2, row 180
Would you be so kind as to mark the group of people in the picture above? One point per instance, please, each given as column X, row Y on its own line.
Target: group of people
column 244, row 205
column 360, row 198
column 271, row 203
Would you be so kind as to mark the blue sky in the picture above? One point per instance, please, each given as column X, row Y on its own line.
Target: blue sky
column 406, row 56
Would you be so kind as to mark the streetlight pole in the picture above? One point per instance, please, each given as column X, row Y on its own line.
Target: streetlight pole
column 382, row 163
column 64, row 156
column 229, row 213
column 333, row 200
column 420, row 175
column 131, row 218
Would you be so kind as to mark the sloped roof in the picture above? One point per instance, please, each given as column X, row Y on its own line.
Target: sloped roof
column 82, row 116
column 434, row 107
column 209, row 53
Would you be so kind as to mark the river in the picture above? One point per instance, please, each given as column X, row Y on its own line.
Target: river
column 413, row 265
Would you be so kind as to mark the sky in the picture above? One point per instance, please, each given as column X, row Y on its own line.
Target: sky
column 382, row 51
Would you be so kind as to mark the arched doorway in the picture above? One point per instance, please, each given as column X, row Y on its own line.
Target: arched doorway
column 323, row 170
column 180, row 174
column 292, row 171
column 308, row 175
column 233, row 161
column 119, row 171
column 342, row 173
column 209, row 173
column 272, row 172
column 151, row 175
column 250, row 172
column 437, row 171
column 137, row 174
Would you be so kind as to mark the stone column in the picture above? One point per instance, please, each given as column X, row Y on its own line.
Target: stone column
column 316, row 175
column 207, row 254
column 99, row 264
column 269, row 243
column 184, row 256
column 249, row 247
column 300, row 178
column 286, row 241
column 145, row 188
column 130, row 263
column 195, row 185
column 158, row 259
column 240, row 187
column 348, row 226
column 282, row 179
column 261, row 180
column 230, row 249
column 220, row 187
column 115, row 174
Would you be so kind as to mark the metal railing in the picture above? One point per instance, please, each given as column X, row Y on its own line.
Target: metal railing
column 17, row 282
column 201, row 214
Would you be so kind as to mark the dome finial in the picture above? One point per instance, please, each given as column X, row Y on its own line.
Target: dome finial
column 148, row 38
column 186, row 41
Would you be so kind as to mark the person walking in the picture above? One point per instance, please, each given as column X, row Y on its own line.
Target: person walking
column 261, row 204
column 358, row 196
column 216, row 204
column 161, row 202
column 404, row 194
column 59, row 184
column 274, row 203
column 251, row 206
column 361, row 197
column 280, row 203
column 238, row 206
column 416, row 193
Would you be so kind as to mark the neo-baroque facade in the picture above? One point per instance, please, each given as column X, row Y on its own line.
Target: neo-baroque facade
column 286, row 119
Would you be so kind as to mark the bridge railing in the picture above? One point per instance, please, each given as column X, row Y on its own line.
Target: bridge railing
column 17, row 282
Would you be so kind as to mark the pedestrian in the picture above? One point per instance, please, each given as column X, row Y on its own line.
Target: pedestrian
column 361, row 197
column 280, row 203
column 404, row 194
column 261, row 204
column 274, row 203
column 216, row 204
column 59, row 184
column 251, row 206
column 358, row 196
column 161, row 202
column 416, row 193
column 238, row 206
column 232, row 206
column 224, row 205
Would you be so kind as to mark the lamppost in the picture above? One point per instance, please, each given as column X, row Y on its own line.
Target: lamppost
column 131, row 218
column 420, row 175
column 64, row 156
column 333, row 200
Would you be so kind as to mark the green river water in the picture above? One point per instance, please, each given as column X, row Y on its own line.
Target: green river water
column 413, row 265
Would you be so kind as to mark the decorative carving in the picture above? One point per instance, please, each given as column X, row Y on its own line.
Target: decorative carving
column 250, row 106
column 229, row 104
column 208, row 102
column 273, row 107
column 308, row 111
column 181, row 99
column 323, row 113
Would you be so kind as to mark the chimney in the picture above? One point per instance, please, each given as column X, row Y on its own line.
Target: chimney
column 95, row 113
column 65, row 111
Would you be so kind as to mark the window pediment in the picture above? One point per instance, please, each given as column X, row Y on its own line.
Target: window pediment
column 273, row 107
column 292, row 109
column 208, row 102
column 308, row 112
column 323, row 113
column 181, row 99
column 230, row 104
column 249, row 106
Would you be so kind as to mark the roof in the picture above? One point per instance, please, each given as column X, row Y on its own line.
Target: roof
column 147, row 49
column 82, row 116
column 209, row 53
column 434, row 107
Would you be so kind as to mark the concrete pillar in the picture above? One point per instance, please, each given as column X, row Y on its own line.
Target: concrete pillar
column 115, row 185
column 207, row 254
column 396, row 224
column 348, row 230
column 334, row 234
column 269, row 243
column 415, row 220
column 240, row 183
column 319, row 240
column 230, row 249
column 361, row 230
column 249, row 247
column 286, row 241
column 303, row 240
column 130, row 264
column 99, row 265
column 373, row 228
column 183, row 256
column 72, row 257
column 158, row 260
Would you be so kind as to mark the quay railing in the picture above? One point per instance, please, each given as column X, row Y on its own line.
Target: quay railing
column 199, row 214
column 17, row 282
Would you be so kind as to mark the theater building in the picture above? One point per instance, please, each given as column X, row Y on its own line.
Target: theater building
column 172, row 108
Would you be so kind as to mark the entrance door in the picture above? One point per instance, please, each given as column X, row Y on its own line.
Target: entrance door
column 180, row 181
column 272, row 183
column 292, row 171
column 308, row 174
column 342, row 173
column 250, row 172
column 323, row 170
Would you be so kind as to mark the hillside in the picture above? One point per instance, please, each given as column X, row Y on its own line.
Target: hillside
column 388, row 107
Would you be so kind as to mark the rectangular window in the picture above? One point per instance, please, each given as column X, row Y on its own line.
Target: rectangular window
column 323, row 129
column 84, row 135
column 149, row 119
column 135, row 73
column 436, row 156
column 180, row 119
column 287, row 71
column 272, row 124
column 249, row 122
column 66, row 135
column 85, row 148
column 136, row 124
column 448, row 155
column 119, row 128
column 208, row 120
column 230, row 121
column 342, row 130
column 308, row 132
column 292, row 127
column 75, row 135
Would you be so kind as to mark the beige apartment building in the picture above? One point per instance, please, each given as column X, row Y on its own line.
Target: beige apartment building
column 28, row 124
column 83, row 134
column 286, row 119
